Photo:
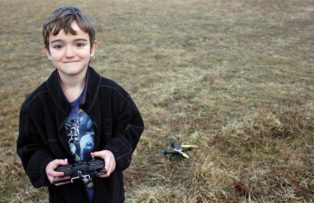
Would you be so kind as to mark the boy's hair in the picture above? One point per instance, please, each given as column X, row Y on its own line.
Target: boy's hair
column 62, row 18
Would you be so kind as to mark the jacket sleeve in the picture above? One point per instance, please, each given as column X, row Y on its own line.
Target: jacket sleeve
column 128, row 126
column 31, row 150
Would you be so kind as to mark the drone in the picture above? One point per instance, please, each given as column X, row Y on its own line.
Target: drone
column 177, row 149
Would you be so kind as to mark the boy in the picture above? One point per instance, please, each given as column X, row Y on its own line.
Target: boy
column 76, row 115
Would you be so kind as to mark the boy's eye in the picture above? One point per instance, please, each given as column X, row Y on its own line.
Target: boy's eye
column 57, row 46
column 80, row 44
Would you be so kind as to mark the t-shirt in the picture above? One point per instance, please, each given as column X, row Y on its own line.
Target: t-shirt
column 80, row 130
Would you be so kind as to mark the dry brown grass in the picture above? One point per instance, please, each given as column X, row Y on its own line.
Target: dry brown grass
column 234, row 77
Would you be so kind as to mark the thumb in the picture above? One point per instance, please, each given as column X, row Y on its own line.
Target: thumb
column 97, row 154
column 59, row 162
column 64, row 162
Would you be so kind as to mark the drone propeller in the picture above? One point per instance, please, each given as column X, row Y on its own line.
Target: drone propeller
column 176, row 149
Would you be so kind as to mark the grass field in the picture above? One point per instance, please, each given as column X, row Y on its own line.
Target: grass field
column 235, row 77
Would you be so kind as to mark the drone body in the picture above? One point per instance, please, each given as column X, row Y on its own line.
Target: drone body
column 179, row 150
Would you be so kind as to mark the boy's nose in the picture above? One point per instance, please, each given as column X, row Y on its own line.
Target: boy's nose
column 69, row 52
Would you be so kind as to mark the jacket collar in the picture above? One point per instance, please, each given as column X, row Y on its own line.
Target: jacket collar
column 93, row 84
column 63, row 107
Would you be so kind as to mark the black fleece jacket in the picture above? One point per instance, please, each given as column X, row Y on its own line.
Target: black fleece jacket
column 42, row 137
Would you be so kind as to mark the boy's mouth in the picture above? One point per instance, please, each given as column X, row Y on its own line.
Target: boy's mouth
column 70, row 61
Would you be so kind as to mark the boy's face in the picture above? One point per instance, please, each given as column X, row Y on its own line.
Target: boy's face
column 70, row 54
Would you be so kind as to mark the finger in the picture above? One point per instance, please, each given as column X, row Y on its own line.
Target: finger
column 61, row 180
column 61, row 162
column 112, row 164
column 108, row 163
column 55, row 164
column 103, row 176
column 52, row 172
column 97, row 154
column 67, row 182
column 103, row 173
column 110, row 167
column 56, row 174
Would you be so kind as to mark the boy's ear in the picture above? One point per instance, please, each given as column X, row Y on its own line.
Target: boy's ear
column 93, row 48
column 47, row 52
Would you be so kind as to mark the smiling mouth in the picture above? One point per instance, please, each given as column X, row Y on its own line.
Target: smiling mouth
column 70, row 61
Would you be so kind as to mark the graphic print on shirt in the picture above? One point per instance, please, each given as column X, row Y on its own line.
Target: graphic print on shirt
column 79, row 128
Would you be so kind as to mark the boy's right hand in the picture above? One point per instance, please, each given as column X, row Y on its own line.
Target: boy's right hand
column 53, row 175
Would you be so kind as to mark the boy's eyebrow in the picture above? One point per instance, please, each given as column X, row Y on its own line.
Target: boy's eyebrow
column 54, row 41
column 81, row 39
column 60, row 40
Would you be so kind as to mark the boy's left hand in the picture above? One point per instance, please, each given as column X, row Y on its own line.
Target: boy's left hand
column 110, row 161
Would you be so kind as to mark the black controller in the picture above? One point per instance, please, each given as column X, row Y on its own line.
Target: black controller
column 81, row 170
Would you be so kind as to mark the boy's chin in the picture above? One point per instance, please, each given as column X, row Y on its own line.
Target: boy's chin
column 71, row 70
